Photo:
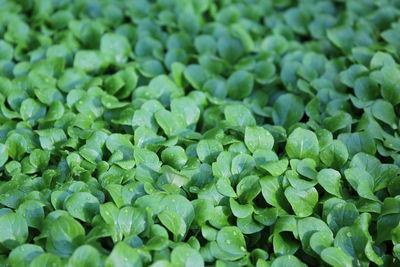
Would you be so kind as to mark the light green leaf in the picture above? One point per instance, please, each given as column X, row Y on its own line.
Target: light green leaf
column 287, row 110
column 288, row 260
column 240, row 84
column 362, row 182
column 302, row 144
column 208, row 150
column 115, row 46
column 256, row 137
column 230, row 239
column 303, row 202
column 24, row 254
column 184, row 255
column 65, row 235
column 15, row 230
column 84, row 255
column 82, row 205
column 238, row 115
column 173, row 222
column 336, row 257
column 334, row 155
column 124, row 256
column 384, row 111
column 330, row 180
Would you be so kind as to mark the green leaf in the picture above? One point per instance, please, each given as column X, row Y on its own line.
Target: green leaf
column 174, row 177
column 202, row 210
column 342, row 37
column 334, row 155
column 46, row 260
column 82, row 205
column 230, row 239
column 342, row 214
column 297, row 19
column 330, row 180
column 238, row 116
column 306, row 168
column 179, row 205
column 196, row 75
column 303, row 202
column 119, row 142
column 173, row 222
column 144, row 157
column 132, row 221
column 387, row 77
column 174, row 156
column 33, row 212
column 240, row 211
column 336, row 257
column 229, row 48
column 384, row 111
column 186, row 108
column 224, row 187
column 297, row 181
column 287, row 260
column 65, row 235
column 123, row 255
column 372, row 255
column 248, row 188
column 396, row 251
column 15, row 230
column 266, row 216
column 240, row 84
column 320, row 241
column 352, row 240
column 24, row 254
column 51, row 138
column 287, row 110
column 171, row 123
column 248, row 225
column 366, row 89
column 385, row 226
column 341, row 120
column 276, row 168
column 302, row 144
column 242, row 164
column 222, row 166
column 31, row 110
column 89, row 61
column 258, row 138
column 3, row 154
column 86, row 255
column 184, row 255
column 273, row 192
column 361, row 181
column 208, row 150
column 6, row 51
column 349, row 76
column 308, row 226
column 358, row 142
column 115, row 46
column 39, row 159
column 16, row 145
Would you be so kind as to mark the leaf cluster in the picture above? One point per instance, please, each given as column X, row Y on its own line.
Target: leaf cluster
column 174, row 133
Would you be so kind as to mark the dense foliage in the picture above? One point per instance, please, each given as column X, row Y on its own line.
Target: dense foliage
column 199, row 133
